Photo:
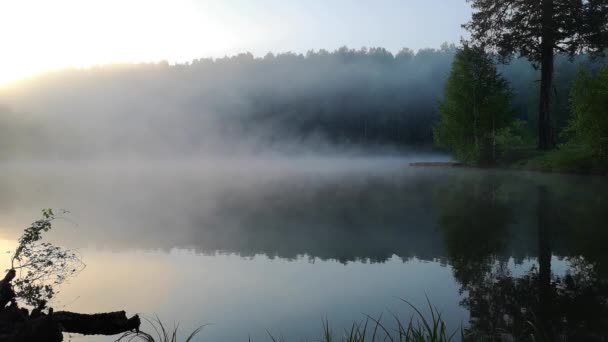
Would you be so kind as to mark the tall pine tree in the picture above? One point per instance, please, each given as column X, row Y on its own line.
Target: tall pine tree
column 537, row 30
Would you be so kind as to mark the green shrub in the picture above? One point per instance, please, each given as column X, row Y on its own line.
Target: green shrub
column 588, row 126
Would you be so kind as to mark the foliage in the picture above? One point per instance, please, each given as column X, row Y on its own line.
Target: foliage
column 589, row 124
column 512, row 140
column 537, row 30
column 586, row 136
column 476, row 105
column 41, row 267
column 516, row 26
column 568, row 158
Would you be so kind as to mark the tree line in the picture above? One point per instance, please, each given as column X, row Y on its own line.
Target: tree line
column 364, row 97
column 477, row 118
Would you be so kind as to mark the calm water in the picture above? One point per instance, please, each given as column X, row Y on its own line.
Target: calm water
column 279, row 245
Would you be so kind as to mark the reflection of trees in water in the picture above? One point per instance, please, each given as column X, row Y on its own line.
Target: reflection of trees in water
column 364, row 219
column 475, row 221
column 572, row 306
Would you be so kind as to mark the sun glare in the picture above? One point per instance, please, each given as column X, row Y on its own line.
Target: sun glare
column 42, row 35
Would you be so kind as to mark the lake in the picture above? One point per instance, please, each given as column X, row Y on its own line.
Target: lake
column 278, row 245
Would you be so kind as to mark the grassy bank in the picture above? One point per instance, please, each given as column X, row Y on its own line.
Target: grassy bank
column 420, row 327
column 569, row 160
column 566, row 159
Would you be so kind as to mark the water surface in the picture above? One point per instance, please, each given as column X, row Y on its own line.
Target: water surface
column 281, row 244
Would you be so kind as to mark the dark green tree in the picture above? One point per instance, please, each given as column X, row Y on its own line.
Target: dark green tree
column 537, row 30
column 475, row 106
column 589, row 103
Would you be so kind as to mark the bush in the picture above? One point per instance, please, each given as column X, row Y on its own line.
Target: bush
column 589, row 124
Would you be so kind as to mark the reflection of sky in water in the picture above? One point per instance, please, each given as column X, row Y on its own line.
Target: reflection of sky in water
column 241, row 296
column 559, row 266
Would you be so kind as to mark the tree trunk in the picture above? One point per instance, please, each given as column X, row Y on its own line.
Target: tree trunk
column 493, row 138
column 6, row 289
column 107, row 323
column 546, row 131
column 18, row 325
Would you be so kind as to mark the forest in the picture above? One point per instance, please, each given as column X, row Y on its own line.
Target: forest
column 286, row 103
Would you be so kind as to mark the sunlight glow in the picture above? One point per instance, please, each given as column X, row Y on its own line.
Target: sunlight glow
column 40, row 35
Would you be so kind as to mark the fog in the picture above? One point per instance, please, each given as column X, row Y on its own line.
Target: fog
column 344, row 209
column 343, row 102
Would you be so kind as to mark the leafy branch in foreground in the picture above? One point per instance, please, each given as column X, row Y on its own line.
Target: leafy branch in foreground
column 41, row 267
column 37, row 269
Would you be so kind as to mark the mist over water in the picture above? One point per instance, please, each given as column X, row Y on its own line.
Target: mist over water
column 168, row 193
column 270, row 193
column 281, row 243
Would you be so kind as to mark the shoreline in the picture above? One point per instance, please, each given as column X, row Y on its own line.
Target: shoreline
column 521, row 165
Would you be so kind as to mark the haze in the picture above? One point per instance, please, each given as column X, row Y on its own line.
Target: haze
column 289, row 167
column 39, row 35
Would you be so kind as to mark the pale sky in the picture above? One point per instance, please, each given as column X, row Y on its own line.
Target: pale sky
column 41, row 35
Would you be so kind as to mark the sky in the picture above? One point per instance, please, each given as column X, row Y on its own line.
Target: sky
column 42, row 35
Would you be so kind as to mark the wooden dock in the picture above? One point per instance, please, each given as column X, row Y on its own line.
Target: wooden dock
column 437, row 164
